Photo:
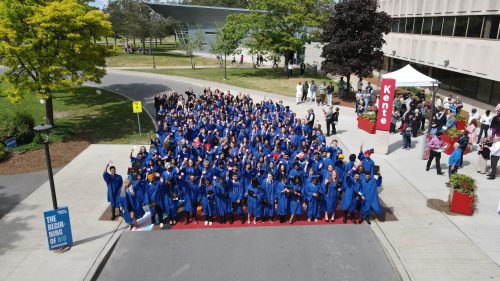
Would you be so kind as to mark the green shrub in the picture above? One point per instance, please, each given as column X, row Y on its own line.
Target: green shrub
column 19, row 125
column 463, row 184
column 453, row 133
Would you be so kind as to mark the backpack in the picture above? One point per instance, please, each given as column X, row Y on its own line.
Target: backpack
column 408, row 131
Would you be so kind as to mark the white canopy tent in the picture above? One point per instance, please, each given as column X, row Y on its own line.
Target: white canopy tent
column 410, row 77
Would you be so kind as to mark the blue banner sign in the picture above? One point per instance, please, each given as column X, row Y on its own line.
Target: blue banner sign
column 58, row 228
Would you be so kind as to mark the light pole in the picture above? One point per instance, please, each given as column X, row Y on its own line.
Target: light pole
column 45, row 129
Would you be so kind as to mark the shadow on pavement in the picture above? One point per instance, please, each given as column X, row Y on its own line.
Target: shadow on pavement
column 12, row 229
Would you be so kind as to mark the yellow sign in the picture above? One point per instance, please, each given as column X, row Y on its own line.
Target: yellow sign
column 137, row 107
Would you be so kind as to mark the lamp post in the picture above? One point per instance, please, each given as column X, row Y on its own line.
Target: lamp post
column 40, row 129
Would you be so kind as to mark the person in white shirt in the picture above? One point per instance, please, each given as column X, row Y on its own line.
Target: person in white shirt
column 298, row 93
column 494, row 156
column 485, row 125
column 473, row 115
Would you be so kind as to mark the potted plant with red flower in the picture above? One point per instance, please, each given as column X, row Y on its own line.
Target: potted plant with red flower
column 463, row 194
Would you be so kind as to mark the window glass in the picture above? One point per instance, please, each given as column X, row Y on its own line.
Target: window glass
column 427, row 26
column 490, row 29
column 460, row 26
column 448, row 26
column 409, row 25
column 418, row 25
column 475, row 24
column 470, row 86
column 484, row 89
column 395, row 25
column 402, row 24
column 495, row 94
column 437, row 25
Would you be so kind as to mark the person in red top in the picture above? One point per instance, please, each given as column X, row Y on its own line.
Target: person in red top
column 435, row 145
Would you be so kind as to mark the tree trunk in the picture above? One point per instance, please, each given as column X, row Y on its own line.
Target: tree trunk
column 114, row 38
column 49, row 111
column 156, row 41
column 225, row 67
column 160, row 40
column 143, row 45
column 134, row 41
column 107, row 43
column 94, row 39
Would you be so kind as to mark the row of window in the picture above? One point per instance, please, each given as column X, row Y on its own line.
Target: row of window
column 461, row 26
column 485, row 90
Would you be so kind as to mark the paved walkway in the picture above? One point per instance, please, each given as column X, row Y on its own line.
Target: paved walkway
column 426, row 243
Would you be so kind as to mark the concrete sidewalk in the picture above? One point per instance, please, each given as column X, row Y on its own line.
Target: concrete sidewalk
column 24, row 253
column 426, row 243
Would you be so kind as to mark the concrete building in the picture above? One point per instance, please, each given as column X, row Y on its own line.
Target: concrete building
column 454, row 41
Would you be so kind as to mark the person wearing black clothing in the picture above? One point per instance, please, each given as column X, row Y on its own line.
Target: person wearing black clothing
column 441, row 119
column 310, row 118
column 463, row 141
column 335, row 120
column 305, row 88
column 302, row 68
column 329, row 120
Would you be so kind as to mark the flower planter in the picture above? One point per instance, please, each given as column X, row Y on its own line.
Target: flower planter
column 449, row 141
column 462, row 203
column 366, row 125
column 460, row 125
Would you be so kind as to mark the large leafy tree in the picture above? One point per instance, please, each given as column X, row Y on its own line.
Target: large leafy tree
column 353, row 38
column 281, row 27
column 227, row 43
column 47, row 45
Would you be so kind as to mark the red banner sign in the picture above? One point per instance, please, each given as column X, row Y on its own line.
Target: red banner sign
column 385, row 104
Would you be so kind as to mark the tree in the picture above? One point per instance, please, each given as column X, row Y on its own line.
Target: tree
column 227, row 43
column 193, row 44
column 48, row 45
column 281, row 27
column 353, row 39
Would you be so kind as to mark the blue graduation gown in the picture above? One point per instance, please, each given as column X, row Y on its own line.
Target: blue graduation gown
column 190, row 191
column 236, row 192
column 130, row 203
column 221, row 200
column 331, row 196
column 370, row 194
column 140, row 191
column 114, row 184
column 283, row 200
column 367, row 163
column 351, row 187
column 168, row 201
column 270, row 191
column 295, row 200
column 313, row 203
column 255, row 202
column 207, row 200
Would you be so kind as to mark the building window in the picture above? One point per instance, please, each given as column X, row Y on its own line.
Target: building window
column 402, row 25
column 490, row 29
column 448, row 24
column 495, row 94
column 395, row 25
column 427, row 26
column 409, row 25
column 484, row 89
column 460, row 26
column 437, row 25
column 418, row 25
column 475, row 26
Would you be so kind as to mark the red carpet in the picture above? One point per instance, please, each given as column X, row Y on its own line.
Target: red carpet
column 300, row 221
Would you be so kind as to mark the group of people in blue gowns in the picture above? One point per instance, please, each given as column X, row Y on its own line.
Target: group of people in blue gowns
column 241, row 160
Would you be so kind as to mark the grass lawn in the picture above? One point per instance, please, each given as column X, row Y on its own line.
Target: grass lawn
column 105, row 118
column 264, row 79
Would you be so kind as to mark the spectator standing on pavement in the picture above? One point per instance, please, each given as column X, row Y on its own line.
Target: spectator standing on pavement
column 435, row 145
column 313, row 89
column 298, row 92
column 329, row 119
column 406, row 132
column 241, row 59
column 341, row 85
column 322, row 93
column 495, row 156
column 290, row 69
column 495, row 123
column 310, row 117
column 358, row 97
column 458, row 105
column 454, row 160
column 329, row 93
column 305, row 90
column 483, row 154
column 360, row 84
column 471, row 130
column 473, row 115
column 463, row 141
column 367, row 95
column 485, row 125
column 114, row 183
column 302, row 68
